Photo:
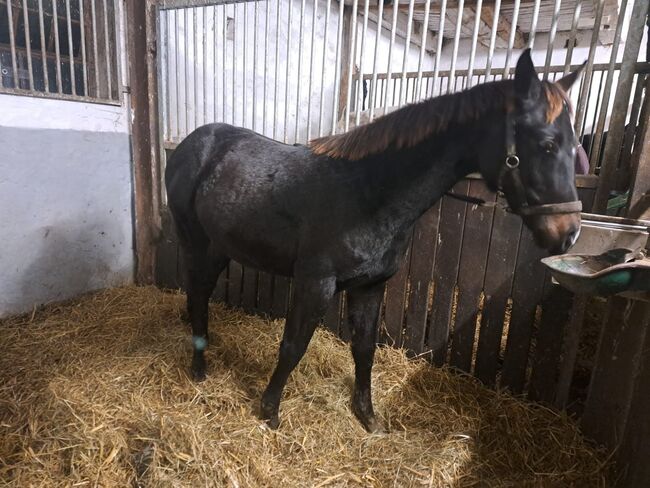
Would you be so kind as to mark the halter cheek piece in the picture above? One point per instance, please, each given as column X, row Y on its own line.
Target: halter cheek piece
column 510, row 169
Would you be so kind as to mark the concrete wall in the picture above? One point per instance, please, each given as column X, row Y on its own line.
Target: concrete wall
column 65, row 200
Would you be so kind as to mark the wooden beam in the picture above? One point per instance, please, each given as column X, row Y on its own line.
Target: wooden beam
column 141, row 48
column 346, row 44
column 503, row 29
column 639, row 200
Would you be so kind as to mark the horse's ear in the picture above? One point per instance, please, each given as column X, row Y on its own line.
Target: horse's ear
column 566, row 82
column 527, row 84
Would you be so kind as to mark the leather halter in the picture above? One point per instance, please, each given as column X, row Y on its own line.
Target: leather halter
column 510, row 169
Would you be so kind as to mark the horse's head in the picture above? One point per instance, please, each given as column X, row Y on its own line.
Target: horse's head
column 537, row 175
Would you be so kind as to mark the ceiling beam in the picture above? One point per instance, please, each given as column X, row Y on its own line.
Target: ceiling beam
column 401, row 26
column 503, row 29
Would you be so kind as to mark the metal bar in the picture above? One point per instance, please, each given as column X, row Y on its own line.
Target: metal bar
column 73, row 83
column 353, row 51
column 195, row 63
column 57, row 47
column 584, row 94
column 12, row 42
column 311, row 65
column 621, row 99
column 164, row 75
column 215, row 62
column 224, row 54
column 472, row 54
column 301, row 44
column 600, row 128
column 28, row 45
column 407, row 45
column 204, row 11
column 84, row 65
column 373, row 83
column 266, row 61
column 359, row 108
column 389, row 69
column 572, row 37
column 41, row 25
column 186, row 85
column 276, row 95
column 441, row 35
column 244, row 115
column 108, row 53
column 322, row 84
column 93, row 15
column 511, row 38
column 234, row 60
column 533, row 25
column 551, row 37
column 255, row 21
column 288, row 70
column 493, row 38
column 337, row 64
column 177, row 73
column 454, row 55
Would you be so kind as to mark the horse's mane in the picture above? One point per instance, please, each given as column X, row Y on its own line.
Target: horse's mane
column 414, row 123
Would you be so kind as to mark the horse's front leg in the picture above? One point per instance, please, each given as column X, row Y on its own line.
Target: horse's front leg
column 363, row 315
column 310, row 301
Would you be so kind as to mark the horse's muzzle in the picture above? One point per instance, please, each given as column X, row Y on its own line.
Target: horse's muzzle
column 555, row 232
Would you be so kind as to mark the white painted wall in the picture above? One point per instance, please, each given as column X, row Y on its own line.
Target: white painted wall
column 65, row 200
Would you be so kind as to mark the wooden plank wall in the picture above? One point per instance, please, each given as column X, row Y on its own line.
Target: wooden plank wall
column 471, row 293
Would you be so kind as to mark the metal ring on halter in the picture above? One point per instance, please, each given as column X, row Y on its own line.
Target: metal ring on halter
column 512, row 161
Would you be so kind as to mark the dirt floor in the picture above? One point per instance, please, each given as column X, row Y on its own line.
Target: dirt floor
column 96, row 392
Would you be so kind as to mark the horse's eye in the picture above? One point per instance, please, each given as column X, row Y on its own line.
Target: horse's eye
column 549, row 146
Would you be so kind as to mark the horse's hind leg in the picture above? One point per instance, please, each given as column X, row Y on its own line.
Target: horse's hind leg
column 363, row 315
column 203, row 268
column 311, row 298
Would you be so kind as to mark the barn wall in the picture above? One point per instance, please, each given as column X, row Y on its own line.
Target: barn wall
column 65, row 200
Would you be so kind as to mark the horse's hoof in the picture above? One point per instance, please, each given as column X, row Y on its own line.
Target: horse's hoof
column 198, row 375
column 368, row 420
column 273, row 422
column 269, row 413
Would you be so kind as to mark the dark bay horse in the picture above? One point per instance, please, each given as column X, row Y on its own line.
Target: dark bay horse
column 338, row 215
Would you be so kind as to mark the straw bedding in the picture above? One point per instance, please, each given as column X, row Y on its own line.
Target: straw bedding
column 96, row 392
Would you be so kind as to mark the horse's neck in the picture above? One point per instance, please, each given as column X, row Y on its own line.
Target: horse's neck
column 410, row 181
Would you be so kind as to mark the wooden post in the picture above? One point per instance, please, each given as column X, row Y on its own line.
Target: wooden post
column 639, row 200
column 346, row 45
column 141, row 51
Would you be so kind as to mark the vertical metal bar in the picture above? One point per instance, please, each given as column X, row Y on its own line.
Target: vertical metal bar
column 276, row 95
column 177, row 48
column 73, row 83
column 186, row 85
column 234, row 60
column 195, row 63
column 41, row 25
column 57, row 47
column 373, row 83
column 407, row 45
column 301, row 44
column 322, row 84
column 12, row 42
column 84, row 65
column 511, row 39
column 215, row 62
column 359, row 92
column 337, row 64
column 28, row 45
column 472, row 54
column 255, row 20
column 493, row 38
column 93, row 15
column 266, row 62
column 441, row 35
column 584, row 94
column 598, row 137
column 108, row 53
column 288, row 70
column 224, row 54
column 454, row 56
column 572, row 37
column 311, row 65
column 551, row 37
column 389, row 69
column 164, row 72
column 244, row 115
column 533, row 25
column 204, row 11
column 353, row 54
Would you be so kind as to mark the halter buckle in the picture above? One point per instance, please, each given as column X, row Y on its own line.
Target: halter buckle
column 512, row 161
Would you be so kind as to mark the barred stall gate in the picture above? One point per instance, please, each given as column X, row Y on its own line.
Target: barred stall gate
column 471, row 292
